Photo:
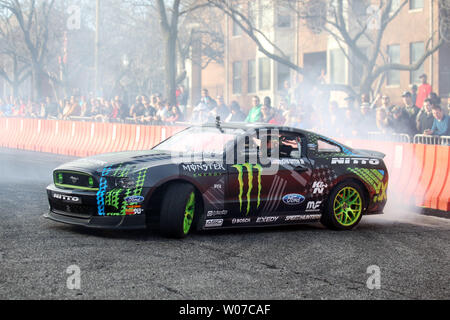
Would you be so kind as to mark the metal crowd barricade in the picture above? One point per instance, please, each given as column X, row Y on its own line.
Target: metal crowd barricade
column 426, row 139
column 445, row 141
column 394, row 137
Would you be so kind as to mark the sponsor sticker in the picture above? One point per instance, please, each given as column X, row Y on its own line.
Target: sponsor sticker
column 308, row 217
column 214, row 223
column 267, row 219
column 134, row 199
column 217, row 213
column 293, row 199
column 313, row 206
column 366, row 161
column 319, row 187
column 67, row 198
column 241, row 221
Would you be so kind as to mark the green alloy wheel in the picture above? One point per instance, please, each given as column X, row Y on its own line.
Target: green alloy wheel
column 345, row 207
column 178, row 207
column 189, row 214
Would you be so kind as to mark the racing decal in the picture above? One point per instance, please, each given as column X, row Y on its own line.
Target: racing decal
column 274, row 197
column 214, row 223
column 374, row 178
column 249, row 168
column 65, row 198
column 215, row 195
column 216, row 213
column 203, row 167
column 322, row 180
column 319, row 187
column 373, row 162
column 308, row 217
column 131, row 197
column 293, row 199
column 313, row 206
column 102, row 190
column 267, row 219
column 241, row 221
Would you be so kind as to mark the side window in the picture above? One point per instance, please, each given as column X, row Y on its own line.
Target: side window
column 324, row 146
column 290, row 146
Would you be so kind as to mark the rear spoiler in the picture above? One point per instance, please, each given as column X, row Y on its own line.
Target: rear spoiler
column 370, row 153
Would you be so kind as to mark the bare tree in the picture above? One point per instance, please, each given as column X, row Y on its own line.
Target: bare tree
column 339, row 20
column 33, row 19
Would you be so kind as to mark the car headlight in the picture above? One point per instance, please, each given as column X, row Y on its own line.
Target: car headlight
column 125, row 183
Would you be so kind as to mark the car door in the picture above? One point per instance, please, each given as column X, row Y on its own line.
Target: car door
column 287, row 192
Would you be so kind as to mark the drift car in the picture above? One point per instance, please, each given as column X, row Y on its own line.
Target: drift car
column 223, row 176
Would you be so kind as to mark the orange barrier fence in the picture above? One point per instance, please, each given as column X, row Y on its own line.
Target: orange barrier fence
column 419, row 174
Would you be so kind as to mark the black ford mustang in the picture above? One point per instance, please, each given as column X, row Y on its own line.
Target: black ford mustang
column 223, row 176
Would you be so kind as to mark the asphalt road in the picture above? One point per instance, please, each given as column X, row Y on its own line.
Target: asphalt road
column 305, row 262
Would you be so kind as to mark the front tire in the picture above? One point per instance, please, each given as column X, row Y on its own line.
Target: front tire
column 178, row 210
column 345, row 207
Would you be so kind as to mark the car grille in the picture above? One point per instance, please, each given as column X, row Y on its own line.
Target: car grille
column 80, row 211
column 75, row 180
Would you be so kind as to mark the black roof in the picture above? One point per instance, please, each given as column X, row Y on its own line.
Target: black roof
column 249, row 126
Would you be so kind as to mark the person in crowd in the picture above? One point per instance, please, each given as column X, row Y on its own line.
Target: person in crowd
column 441, row 126
column 269, row 114
column 182, row 99
column 221, row 110
column 349, row 122
column 435, row 98
column 383, row 121
column 201, row 113
column 411, row 109
column 294, row 120
column 425, row 118
column 149, row 112
column 386, row 103
column 174, row 115
column 137, row 109
column 255, row 112
column 401, row 121
column 52, row 110
column 73, row 110
column 367, row 121
column 448, row 104
column 236, row 114
column 414, row 89
column 424, row 90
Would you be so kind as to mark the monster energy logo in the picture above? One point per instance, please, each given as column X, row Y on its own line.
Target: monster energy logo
column 249, row 167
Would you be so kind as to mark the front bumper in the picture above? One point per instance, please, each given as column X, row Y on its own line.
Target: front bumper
column 85, row 213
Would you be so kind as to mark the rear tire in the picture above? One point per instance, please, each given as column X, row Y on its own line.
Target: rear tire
column 345, row 207
column 178, row 209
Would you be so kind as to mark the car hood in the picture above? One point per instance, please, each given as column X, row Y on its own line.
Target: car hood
column 97, row 163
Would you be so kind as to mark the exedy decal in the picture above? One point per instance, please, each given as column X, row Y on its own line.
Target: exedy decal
column 249, row 168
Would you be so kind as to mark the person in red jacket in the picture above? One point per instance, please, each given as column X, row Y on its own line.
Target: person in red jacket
column 424, row 91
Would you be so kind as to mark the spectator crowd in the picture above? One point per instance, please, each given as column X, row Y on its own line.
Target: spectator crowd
column 421, row 112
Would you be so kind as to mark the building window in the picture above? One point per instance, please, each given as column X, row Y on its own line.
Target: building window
column 415, row 4
column 393, row 76
column 237, row 31
column 237, row 77
column 337, row 66
column 284, row 17
column 417, row 50
column 283, row 74
column 265, row 74
column 251, row 76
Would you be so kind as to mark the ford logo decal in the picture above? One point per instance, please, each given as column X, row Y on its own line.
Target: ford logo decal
column 293, row 199
column 134, row 199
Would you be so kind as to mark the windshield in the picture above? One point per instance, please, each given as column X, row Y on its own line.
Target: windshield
column 200, row 140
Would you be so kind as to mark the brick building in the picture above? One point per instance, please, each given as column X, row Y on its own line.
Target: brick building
column 248, row 72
